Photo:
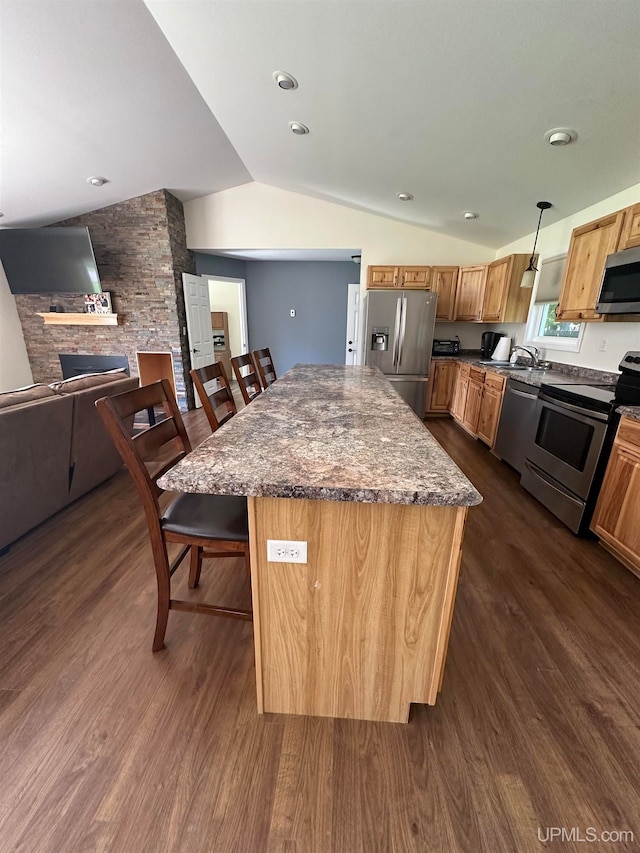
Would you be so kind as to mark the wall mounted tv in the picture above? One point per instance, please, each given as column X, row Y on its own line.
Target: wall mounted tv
column 49, row 260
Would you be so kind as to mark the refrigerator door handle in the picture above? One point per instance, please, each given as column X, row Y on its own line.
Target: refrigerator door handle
column 403, row 328
column 396, row 332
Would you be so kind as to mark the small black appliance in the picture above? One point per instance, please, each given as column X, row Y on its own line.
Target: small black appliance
column 448, row 347
column 489, row 343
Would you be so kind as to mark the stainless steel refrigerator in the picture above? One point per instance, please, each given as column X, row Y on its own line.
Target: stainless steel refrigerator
column 399, row 340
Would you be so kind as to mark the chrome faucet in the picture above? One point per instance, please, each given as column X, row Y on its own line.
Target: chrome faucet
column 532, row 352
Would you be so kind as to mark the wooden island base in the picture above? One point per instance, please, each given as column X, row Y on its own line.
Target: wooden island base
column 361, row 630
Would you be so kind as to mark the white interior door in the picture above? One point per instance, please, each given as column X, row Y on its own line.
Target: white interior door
column 196, row 299
column 353, row 322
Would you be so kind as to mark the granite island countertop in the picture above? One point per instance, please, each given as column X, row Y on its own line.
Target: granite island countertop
column 326, row 432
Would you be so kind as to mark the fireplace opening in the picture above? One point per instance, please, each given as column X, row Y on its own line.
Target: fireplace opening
column 75, row 365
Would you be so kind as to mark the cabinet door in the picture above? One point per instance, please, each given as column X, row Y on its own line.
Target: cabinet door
column 459, row 396
column 630, row 237
column 443, row 282
column 489, row 415
column 617, row 515
column 418, row 278
column 590, row 244
column 472, row 406
column 443, row 374
column 470, row 292
column 495, row 291
column 383, row 277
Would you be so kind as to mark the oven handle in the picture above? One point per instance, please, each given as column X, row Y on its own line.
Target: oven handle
column 586, row 413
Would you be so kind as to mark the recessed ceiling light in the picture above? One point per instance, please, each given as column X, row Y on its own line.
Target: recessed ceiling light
column 298, row 128
column 284, row 80
column 470, row 214
column 97, row 181
column 404, row 196
column 559, row 136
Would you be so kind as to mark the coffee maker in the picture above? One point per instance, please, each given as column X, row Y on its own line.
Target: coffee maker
column 489, row 342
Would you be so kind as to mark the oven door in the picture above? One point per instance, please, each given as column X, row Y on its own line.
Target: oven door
column 567, row 443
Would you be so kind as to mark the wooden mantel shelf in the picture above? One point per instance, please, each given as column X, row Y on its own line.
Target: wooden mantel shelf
column 52, row 318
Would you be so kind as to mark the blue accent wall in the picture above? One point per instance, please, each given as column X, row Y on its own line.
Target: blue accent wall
column 318, row 292
column 219, row 265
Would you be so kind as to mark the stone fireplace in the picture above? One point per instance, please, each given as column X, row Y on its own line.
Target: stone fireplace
column 141, row 252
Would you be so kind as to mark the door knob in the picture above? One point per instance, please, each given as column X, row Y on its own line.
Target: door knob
column 350, row 350
column 350, row 342
column 195, row 350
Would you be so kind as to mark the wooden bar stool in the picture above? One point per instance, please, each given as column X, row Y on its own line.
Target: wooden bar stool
column 264, row 363
column 249, row 383
column 218, row 404
column 206, row 525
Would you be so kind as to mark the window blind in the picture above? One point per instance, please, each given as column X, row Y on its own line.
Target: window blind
column 550, row 279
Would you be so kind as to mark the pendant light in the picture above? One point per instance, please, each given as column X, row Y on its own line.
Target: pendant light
column 528, row 276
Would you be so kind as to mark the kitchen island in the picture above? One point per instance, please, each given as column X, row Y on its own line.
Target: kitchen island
column 332, row 457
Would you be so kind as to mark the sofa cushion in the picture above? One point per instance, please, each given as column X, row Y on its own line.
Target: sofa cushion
column 87, row 380
column 25, row 395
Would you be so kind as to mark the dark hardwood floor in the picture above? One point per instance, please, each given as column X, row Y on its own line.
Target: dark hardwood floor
column 107, row 747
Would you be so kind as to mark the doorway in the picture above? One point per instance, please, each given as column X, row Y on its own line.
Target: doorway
column 229, row 296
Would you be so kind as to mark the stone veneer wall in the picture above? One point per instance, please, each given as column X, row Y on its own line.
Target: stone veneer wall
column 141, row 252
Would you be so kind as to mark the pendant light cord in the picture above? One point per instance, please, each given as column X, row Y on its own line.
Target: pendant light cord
column 535, row 242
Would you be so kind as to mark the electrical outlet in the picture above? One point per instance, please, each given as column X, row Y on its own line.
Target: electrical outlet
column 286, row 551
column 603, row 345
column 292, row 312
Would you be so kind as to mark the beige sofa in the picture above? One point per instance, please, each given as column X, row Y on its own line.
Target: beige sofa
column 53, row 448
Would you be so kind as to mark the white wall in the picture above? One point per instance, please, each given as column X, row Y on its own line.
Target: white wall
column 553, row 240
column 15, row 371
column 223, row 296
column 257, row 216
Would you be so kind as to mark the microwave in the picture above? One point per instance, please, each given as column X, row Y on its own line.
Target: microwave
column 620, row 288
column 449, row 347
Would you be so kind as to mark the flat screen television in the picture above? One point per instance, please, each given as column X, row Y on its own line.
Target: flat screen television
column 49, row 260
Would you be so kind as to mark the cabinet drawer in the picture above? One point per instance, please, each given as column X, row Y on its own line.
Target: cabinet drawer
column 629, row 432
column 494, row 380
column 477, row 374
column 465, row 370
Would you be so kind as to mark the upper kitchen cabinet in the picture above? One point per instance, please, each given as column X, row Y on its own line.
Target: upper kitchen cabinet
column 443, row 282
column 590, row 244
column 470, row 292
column 504, row 300
column 414, row 278
column 630, row 237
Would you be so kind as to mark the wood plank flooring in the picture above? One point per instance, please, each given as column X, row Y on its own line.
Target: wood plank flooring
column 107, row 747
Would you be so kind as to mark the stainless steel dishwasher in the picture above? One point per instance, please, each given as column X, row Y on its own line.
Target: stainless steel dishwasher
column 517, row 422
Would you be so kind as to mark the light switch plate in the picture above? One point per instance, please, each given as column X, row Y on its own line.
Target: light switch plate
column 286, row 551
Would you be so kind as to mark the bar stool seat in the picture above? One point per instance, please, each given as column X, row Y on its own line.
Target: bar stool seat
column 208, row 517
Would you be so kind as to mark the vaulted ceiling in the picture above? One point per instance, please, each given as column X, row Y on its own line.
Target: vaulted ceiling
column 449, row 101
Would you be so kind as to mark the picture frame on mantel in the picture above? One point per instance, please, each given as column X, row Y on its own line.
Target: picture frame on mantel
column 98, row 303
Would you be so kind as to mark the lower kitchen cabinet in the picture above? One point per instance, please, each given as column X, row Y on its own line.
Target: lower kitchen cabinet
column 440, row 387
column 459, row 393
column 490, row 408
column 617, row 516
column 476, row 401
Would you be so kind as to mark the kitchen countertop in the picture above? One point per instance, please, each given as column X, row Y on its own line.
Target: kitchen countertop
column 326, row 432
column 632, row 412
column 573, row 375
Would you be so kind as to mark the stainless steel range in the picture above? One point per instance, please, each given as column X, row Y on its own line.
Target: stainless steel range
column 574, row 429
